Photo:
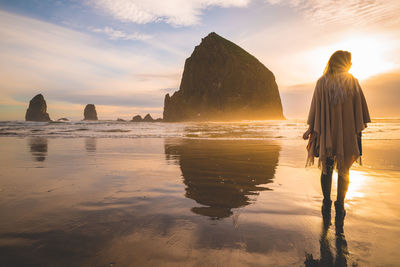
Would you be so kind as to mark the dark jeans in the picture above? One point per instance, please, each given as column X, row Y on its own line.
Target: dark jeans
column 326, row 182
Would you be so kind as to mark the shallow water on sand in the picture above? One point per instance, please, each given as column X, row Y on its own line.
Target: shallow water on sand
column 180, row 201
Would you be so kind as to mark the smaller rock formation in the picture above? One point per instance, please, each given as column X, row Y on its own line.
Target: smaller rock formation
column 137, row 118
column 63, row 119
column 90, row 113
column 119, row 119
column 148, row 118
column 37, row 110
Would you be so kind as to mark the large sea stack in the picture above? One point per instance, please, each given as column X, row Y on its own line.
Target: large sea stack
column 221, row 81
column 90, row 113
column 37, row 110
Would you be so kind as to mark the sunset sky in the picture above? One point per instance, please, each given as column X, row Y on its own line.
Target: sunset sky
column 125, row 55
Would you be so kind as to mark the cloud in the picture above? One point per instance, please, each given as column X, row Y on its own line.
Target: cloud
column 296, row 99
column 174, row 12
column 120, row 35
column 71, row 67
column 343, row 12
column 383, row 94
column 152, row 76
column 381, row 91
column 140, row 99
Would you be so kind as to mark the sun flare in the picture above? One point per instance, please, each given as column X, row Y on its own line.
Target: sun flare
column 357, row 184
column 370, row 55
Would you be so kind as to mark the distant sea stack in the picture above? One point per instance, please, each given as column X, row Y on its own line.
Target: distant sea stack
column 137, row 118
column 90, row 113
column 148, row 118
column 221, row 81
column 37, row 110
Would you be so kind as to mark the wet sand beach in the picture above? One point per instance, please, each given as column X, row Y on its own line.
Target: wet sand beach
column 189, row 202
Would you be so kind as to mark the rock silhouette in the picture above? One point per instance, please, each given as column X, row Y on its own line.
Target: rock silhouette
column 37, row 110
column 221, row 175
column 148, row 118
column 90, row 113
column 137, row 118
column 221, row 81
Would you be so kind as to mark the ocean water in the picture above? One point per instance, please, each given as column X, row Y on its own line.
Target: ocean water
column 379, row 129
column 112, row 193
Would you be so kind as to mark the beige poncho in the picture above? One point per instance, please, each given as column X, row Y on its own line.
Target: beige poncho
column 337, row 114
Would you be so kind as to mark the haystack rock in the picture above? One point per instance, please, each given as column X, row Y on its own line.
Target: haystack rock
column 221, row 81
column 37, row 110
column 148, row 118
column 90, row 113
column 137, row 118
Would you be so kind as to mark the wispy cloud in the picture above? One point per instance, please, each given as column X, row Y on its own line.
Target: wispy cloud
column 140, row 99
column 121, row 35
column 66, row 65
column 72, row 65
column 174, row 12
column 346, row 11
column 158, row 76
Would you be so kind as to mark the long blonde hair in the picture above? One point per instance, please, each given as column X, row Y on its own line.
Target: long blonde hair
column 339, row 62
column 338, row 81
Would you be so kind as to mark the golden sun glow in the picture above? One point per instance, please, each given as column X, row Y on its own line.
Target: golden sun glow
column 356, row 186
column 370, row 55
column 357, row 182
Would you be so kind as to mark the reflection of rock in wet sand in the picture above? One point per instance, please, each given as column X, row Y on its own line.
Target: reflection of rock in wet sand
column 38, row 147
column 224, row 174
column 90, row 144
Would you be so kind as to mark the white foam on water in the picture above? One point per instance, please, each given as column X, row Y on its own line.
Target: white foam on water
column 287, row 129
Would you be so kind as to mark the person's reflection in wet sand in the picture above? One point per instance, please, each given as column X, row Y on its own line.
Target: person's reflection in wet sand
column 38, row 148
column 341, row 244
column 223, row 174
column 90, row 144
column 325, row 249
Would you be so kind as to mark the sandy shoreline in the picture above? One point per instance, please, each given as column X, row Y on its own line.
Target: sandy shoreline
column 185, row 202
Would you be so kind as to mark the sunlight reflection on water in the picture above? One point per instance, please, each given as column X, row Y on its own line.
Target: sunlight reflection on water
column 357, row 184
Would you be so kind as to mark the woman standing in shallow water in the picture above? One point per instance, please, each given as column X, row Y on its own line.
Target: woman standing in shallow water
column 338, row 114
